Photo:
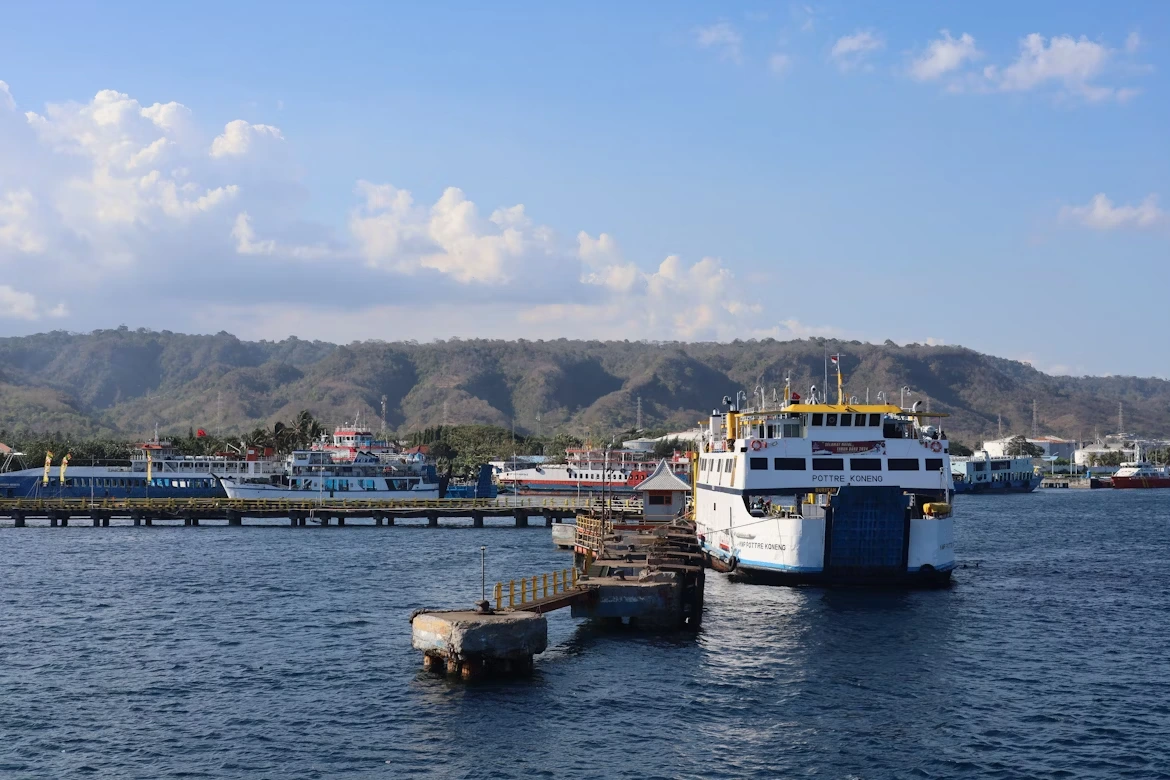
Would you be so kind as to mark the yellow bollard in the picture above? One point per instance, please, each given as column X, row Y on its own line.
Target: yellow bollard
column 546, row 586
column 564, row 579
column 534, row 587
column 574, row 576
column 511, row 593
column 499, row 595
column 554, row 583
column 524, row 590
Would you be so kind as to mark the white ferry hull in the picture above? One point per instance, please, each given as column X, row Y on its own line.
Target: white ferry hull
column 280, row 493
column 842, row 547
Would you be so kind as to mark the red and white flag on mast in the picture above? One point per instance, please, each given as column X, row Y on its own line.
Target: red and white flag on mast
column 835, row 358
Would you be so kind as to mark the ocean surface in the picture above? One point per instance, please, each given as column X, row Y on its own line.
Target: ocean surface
column 218, row 652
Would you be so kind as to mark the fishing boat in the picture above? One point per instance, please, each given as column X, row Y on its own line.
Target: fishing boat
column 798, row 492
column 315, row 475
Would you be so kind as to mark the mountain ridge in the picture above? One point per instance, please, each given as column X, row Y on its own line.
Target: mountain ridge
column 123, row 382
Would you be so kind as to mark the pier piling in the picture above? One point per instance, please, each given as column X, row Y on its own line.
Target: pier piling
column 433, row 519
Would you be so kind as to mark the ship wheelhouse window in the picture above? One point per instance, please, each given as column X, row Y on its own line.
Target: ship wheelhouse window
column 818, row 419
column 934, row 464
column 904, row 464
column 758, row 464
column 875, row 420
column 789, row 464
column 792, row 430
column 828, row 464
column 865, row 464
column 831, row 419
column 846, row 420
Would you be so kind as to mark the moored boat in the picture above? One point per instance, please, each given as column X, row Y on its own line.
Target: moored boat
column 588, row 470
column 315, row 475
column 813, row 492
column 986, row 474
column 1140, row 475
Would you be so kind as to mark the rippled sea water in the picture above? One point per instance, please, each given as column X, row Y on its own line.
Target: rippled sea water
column 280, row 652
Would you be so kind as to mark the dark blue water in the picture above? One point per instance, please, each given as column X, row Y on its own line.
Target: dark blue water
column 229, row 652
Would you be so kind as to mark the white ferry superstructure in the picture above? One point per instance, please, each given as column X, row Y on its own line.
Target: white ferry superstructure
column 315, row 475
column 826, row 493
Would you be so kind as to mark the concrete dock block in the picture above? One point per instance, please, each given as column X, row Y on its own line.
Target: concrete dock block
column 467, row 634
column 652, row 603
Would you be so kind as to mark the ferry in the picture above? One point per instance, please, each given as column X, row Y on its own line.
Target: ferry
column 315, row 475
column 155, row 470
column 985, row 474
column 588, row 470
column 796, row 492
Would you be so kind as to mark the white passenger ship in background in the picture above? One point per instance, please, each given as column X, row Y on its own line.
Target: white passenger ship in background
column 315, row 475
column 814, row 492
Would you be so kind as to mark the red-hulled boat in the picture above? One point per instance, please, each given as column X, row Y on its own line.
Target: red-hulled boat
column 1141, row 474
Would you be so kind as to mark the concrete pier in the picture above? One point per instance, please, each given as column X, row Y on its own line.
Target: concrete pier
column 471, row 643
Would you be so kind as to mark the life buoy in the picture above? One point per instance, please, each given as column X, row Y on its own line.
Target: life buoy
column 757, row 444
column 936, row 446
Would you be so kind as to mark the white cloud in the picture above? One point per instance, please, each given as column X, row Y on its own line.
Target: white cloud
column 239, row 137
column 18, row 305
column 1101, row 214
column 1074, row 64
column 6, row 99
column 723, row 38
column 246, row 243
column 851, row 51
column 17, row 230
column 450, row 237
column 944, row 55
column 1133, row 42
column 779, row 64
column 136, row 204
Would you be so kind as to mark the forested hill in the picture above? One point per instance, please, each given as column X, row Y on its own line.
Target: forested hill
column 122, row 382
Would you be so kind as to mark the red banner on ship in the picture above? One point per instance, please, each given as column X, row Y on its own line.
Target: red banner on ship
column 848, row 447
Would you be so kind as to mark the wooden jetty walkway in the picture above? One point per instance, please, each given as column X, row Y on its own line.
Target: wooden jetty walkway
column 649, row 576
column 193, row 511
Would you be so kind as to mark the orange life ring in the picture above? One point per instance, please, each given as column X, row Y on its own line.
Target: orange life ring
column 936, row 446
column 757, row 444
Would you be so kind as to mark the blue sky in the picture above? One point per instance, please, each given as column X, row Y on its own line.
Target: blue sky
column 691, row 170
